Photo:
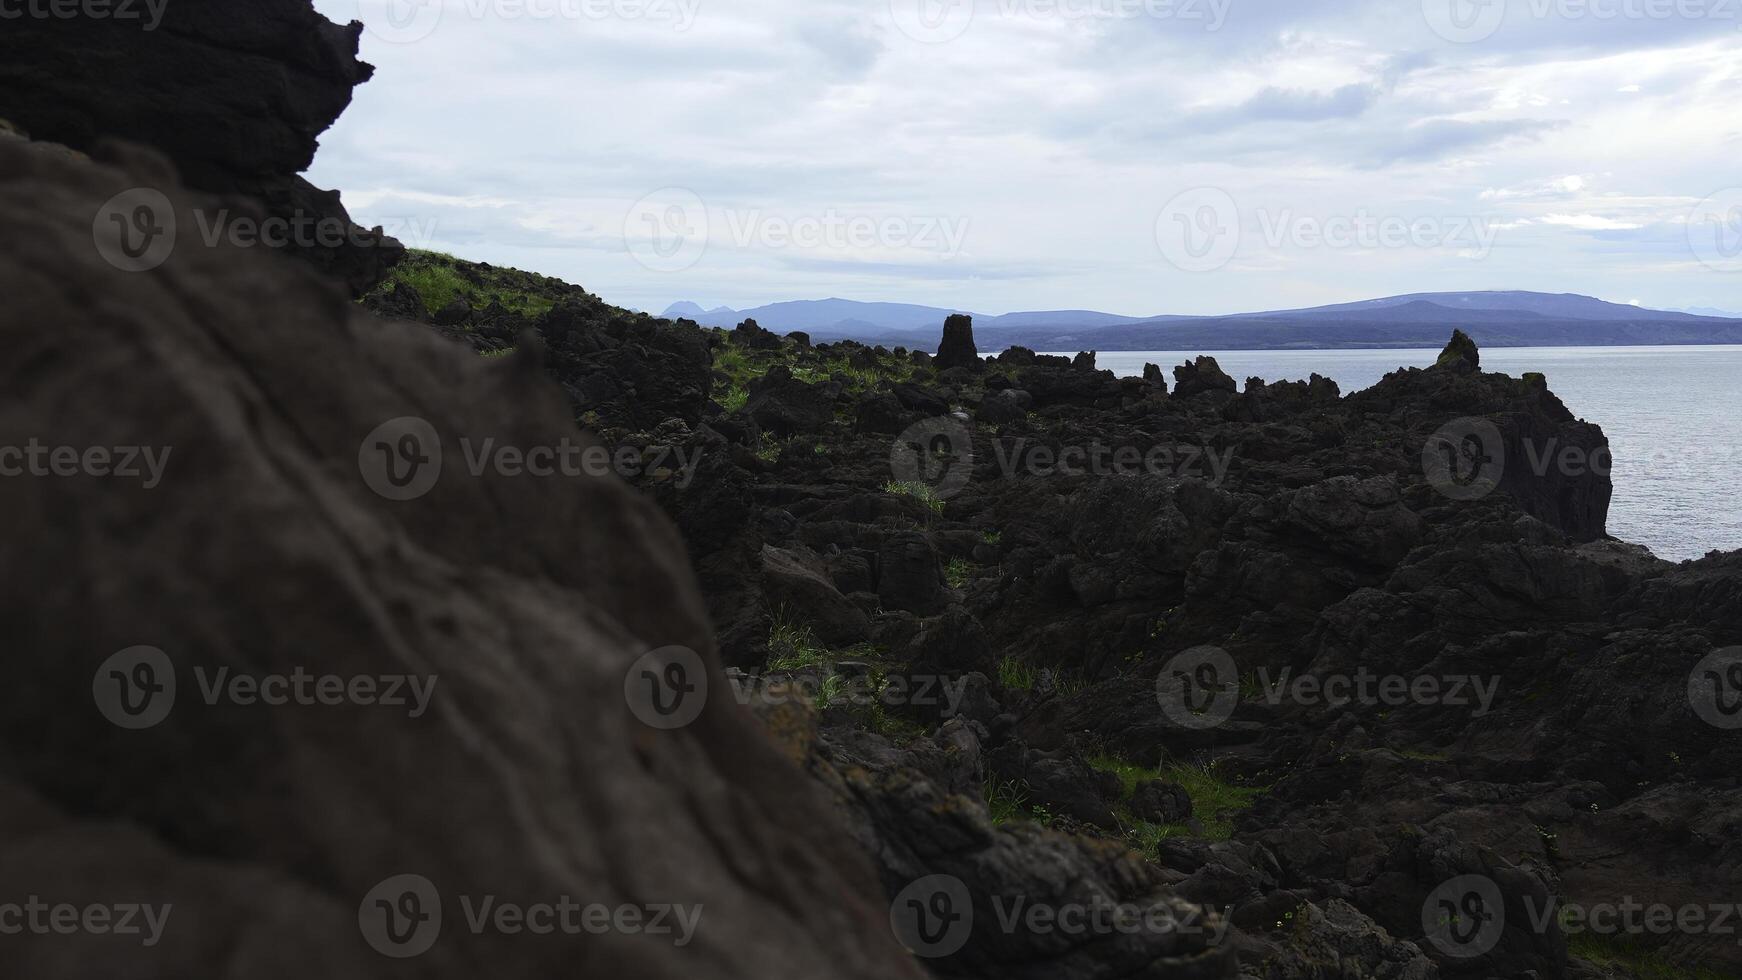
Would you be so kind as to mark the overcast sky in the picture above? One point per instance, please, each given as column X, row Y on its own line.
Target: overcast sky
column 1133, row 156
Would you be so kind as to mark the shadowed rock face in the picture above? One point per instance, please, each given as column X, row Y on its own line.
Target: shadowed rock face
column 234, row 92
column 957, row 349
column 518, row 604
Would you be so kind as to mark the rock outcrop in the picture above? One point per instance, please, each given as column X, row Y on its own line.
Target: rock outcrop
column 1065, row 537
column 234, row 92
column 480, row 651
column 957, row 349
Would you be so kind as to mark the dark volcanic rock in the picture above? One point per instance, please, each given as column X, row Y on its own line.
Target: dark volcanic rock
column 750, row 334
column 957, row 349
column 234, row 93
column 1461, row 354
column 909, row 574
column 522, row 604
column 1199, row 376
column 786, row 406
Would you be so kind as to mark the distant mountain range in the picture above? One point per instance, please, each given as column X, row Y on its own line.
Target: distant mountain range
column 1496, row 319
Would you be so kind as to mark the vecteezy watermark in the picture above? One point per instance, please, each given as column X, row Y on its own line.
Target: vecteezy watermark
column 1715, row 688
column 136, row 688
column 1466, row 458
column 937, row 453
column 402, row 917
column 1019, row 456
column 1715, row 229
column 939, row 21
column 1201, row 687
column 1472, row 21
column 1202, row 229
column 402, row 458
column 143, row 463
column 137, row 230
column 832, row 229
column 408, row 21
column 855, row 689
column 305, row 231
column 671, row 229
column 38, row 917
column 934, row 917
column 1466, row 916
column 148, row 13
column 1199, row 229
column 666, row 687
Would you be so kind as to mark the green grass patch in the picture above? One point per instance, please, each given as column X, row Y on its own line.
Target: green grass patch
column 792, row 646
column 1633, row 956
column 921, row 492
column 1215, row 801
column 1014, row 675
column 958, row 572
column 1008, row 802
column 438, row 280
column 734, row 397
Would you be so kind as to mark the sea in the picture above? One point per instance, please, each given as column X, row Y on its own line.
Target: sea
column 1673, row 416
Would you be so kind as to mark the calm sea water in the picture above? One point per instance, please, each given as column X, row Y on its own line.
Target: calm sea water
column 1672, row 415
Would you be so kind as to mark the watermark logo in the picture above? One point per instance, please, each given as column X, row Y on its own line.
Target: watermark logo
column 1464, row 917
column 1199, row 689
column 936, row 453
column 35, row 458
column 1465, row 459
column 1715, row 689
column 933, row 917
column 400, row 21
column 1101, row 460
column 667, row 688
column 409, row 21
column 401, row 459
column 135, row 230
column 1715, row 230
column 135, row 688
column 933, row 21
column 1199, row 229
column 862, row 690
column 939, row 21
column 1464, row 21
column 38, row 917
column 667, row 231
column 305, row 230
column 148, row 12
column 401, row 917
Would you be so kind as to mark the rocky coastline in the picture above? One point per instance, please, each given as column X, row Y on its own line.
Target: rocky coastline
column 882, row 663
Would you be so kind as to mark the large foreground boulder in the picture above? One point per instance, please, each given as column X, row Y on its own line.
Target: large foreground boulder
column 235, row 92
column 288, row 670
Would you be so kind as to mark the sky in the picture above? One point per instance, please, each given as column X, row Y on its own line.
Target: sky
column 1133, row 156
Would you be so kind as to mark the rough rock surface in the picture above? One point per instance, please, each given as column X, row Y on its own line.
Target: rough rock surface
column 957, row 349
column 1066, row 534
column 234, row 92
column 263, row 550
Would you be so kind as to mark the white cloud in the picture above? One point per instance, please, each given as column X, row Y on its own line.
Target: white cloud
column 1054, row 140
column 1589, row 222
